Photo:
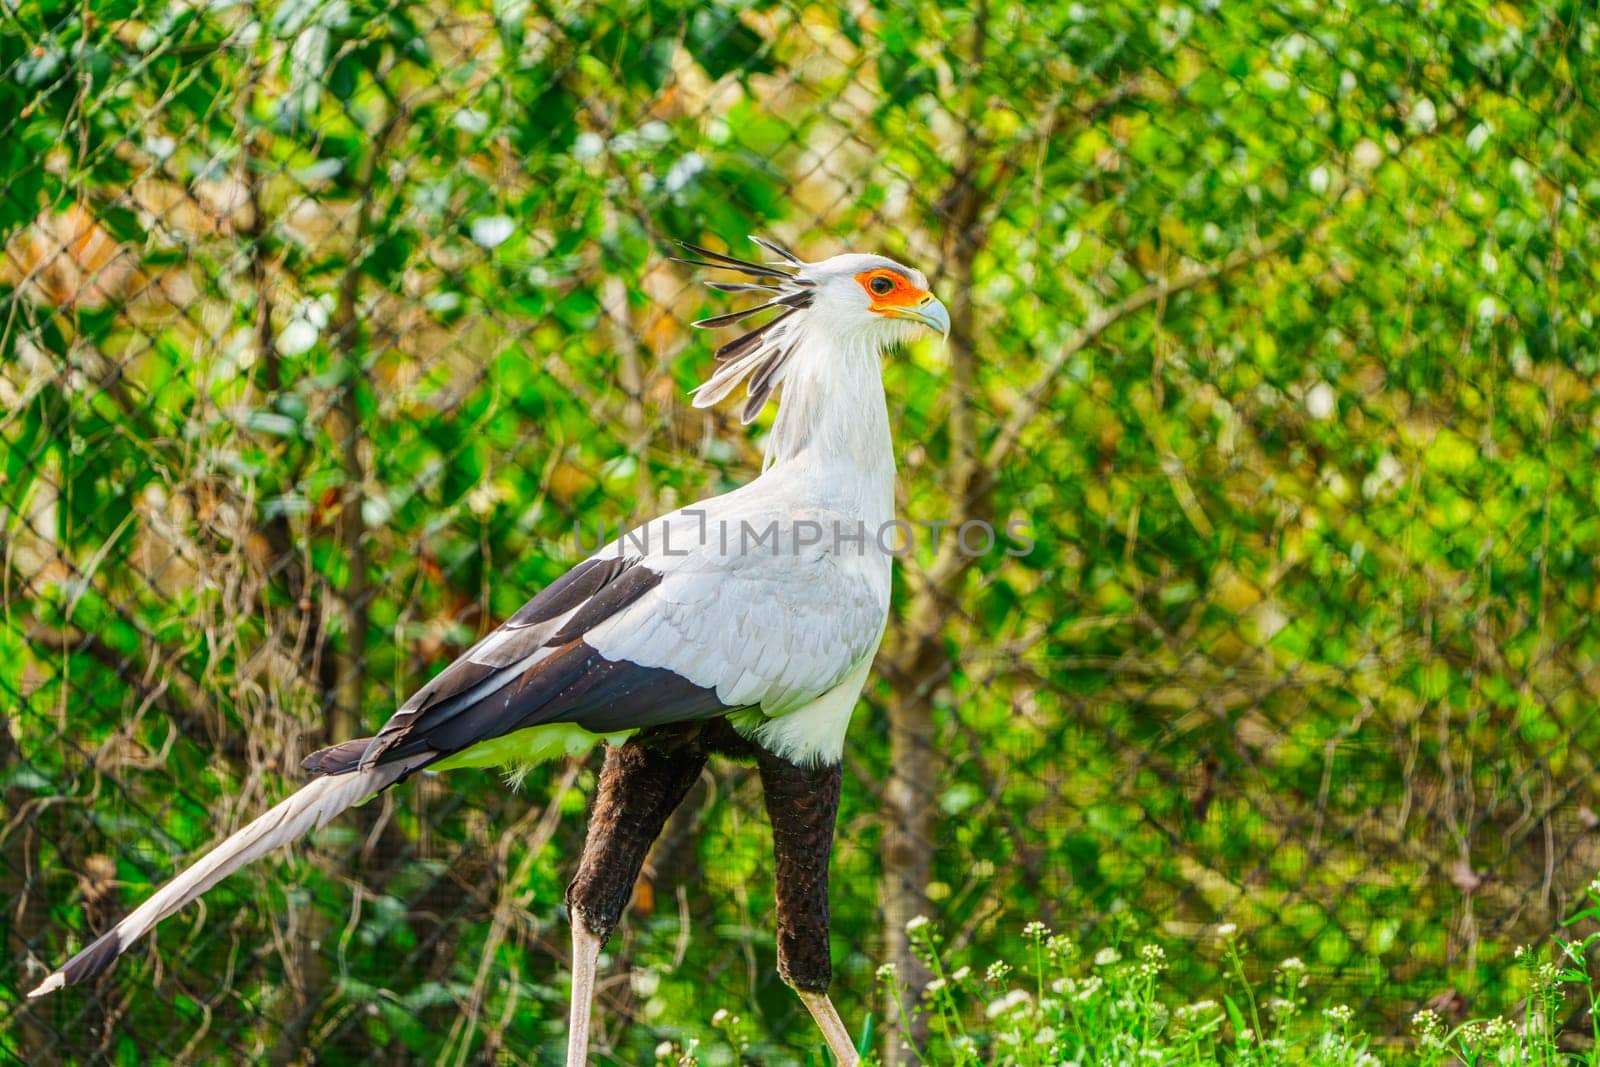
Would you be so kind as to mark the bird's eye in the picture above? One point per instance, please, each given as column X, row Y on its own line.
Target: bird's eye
column 881, row 285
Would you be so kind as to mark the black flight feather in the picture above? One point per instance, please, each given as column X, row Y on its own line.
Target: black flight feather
column 570, row 590
column 573, row 683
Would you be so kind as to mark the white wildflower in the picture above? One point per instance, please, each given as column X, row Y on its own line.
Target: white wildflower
column 1498, row 1029
column 1199, row 1007
column 1012, row 1001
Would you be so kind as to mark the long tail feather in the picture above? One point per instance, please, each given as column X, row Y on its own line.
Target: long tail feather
column 306, row 810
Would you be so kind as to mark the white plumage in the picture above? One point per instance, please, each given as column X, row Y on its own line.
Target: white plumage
column 764, row 606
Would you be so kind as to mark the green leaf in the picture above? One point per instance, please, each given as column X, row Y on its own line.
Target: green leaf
column 1236, row 1017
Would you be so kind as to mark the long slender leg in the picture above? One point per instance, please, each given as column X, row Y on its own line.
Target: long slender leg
column 639, row 788
column 803, row 804
column 585, row 955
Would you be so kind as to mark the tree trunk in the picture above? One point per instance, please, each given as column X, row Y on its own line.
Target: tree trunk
column 911, row 799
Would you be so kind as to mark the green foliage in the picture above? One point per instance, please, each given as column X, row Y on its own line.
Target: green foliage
column 1059, row 1003
column 322, row 323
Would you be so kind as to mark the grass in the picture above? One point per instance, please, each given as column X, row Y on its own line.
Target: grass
column 1065, row 1005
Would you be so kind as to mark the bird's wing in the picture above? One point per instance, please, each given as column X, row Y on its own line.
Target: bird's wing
column 770, row 624
column 680, row 619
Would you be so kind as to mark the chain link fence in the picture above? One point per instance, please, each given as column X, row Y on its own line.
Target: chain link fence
column 329, row 329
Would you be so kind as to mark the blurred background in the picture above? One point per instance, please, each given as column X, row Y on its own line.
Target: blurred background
column 323, row 322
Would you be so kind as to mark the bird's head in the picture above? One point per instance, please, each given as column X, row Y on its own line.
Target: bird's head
column 852, row 299
column 876, row 297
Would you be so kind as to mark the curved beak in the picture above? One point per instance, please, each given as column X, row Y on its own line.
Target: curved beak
column 929, row 312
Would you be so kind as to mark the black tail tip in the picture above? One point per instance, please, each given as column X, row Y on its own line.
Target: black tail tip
column 95, row 959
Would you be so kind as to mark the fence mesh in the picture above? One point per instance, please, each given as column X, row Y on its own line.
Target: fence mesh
column 328, row 328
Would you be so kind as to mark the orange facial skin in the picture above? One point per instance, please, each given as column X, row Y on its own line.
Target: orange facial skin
column 901, row 294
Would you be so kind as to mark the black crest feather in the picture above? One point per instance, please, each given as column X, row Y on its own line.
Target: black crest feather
column 759, row 355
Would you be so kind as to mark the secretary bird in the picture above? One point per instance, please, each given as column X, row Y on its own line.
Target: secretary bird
column 742, row 625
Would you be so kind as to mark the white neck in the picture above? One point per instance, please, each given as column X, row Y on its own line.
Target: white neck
column 833, row 418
